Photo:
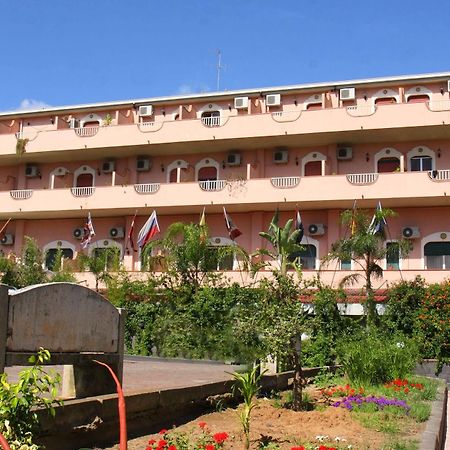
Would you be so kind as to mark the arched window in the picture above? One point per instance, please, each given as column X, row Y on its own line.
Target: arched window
column 58, row 178
column 437, row 255
column 84, row 176
column 210, row 115
column 421, row 159
column 91, row 120
column 386, row 97
column 175, row 169
column 313, row 103
column 108, row 249
column 313, row 164
column 392, row 255
column 387, row 160
column 207, row 170
column 308, row 255
column 51, row 249
column 220, row 254
column 418, row 94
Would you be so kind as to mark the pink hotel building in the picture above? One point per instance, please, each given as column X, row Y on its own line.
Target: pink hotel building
column 317, row 147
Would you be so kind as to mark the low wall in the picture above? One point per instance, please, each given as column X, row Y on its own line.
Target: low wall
column 94, row 421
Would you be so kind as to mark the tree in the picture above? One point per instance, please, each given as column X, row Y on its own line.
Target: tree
column 187, row 254
column 365, row 246
column 280, row 316
column 285, row 243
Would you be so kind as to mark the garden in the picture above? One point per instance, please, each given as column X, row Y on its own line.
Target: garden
column 372, row 401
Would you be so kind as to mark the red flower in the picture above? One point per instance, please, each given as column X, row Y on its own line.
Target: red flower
column 220, row 438
column 171, row 447
column 151, row 442
column 209, row 447
column 406, row 390
column 161, row 444
column 163, row 431
column 298, row 448
column 202, row 425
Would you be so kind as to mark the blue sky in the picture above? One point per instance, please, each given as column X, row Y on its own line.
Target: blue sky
column 60, row 52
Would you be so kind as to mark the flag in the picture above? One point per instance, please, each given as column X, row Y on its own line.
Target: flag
column 299, row 226
column 202, row 222
column 378, row 223
column 150, row 229
column 88, row 232
column 233, row 231
column 130, row 234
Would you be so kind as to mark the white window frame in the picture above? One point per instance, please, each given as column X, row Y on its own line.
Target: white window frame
column 426, row 151
column 54, row 245
column 434, row 237
column 400, row 259
column 388, row 152
column 207, row 162
column 177, row 164
column 219, row 241
column 312, row 157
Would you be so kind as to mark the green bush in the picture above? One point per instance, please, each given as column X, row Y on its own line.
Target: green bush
column 373, row 359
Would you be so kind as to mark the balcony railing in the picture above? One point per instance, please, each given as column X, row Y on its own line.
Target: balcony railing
column 86, row 131
column 82, row 191
column 436, row 106
column 285, row 182
column 146, row 127
column 361, row 110
column 21, row 194
column 212, row 185
column 213, row 121
column 148, row 188
column 362, row 178
column 439, row 175
column 286, row 116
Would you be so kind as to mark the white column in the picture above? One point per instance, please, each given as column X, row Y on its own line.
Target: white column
column 402, row 163
column 249, row 167
column 322, row 163
column 52, row 181
column 113, row 178
column 178, row 174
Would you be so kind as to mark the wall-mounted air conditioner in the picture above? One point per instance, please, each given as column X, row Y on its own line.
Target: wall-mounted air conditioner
column 241, row 102
column 143, row 164
column 145, row 110
column 116, row 232
column 347, row 94
column 411, row 232
column 448, row 85
column 233, row 159
column 74, row 123
column 343, row 153
column 273, row 99
column 32, row 171
column 78, row 233
column 7, row 239
column 316, row 229
column 280, row 156
column 108, row 166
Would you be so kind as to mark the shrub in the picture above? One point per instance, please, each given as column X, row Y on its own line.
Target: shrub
column 376, row 359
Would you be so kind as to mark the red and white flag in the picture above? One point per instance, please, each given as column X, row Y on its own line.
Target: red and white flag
column 150, row 229
column 130, row 238
column 233, row 230
column 88, row 232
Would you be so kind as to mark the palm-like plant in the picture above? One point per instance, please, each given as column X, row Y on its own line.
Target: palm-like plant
column 285, row 243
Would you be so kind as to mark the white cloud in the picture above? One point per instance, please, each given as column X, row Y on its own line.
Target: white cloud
column 30, row 103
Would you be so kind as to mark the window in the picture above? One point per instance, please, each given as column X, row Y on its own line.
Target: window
column 313, row 168
column 385, row 101
column 437, row 255
column 218, row 259
column 421, row 163
column 50, row 256
column 346, row 264
column 392, row 256
column 211, row 118
column 386, row 165
column 110, row 256
column 418, row 98
column 307, row 257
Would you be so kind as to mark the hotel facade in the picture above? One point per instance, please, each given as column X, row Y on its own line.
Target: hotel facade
column 315, row 147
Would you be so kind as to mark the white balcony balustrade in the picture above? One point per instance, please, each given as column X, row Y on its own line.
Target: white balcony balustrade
column 361, row 110
column 86, row 131
column 147, row 188
column 439, row 105
column 439, row 175
column 285, row 182
column 212, row 121
column 21, row 194
column 362, row 178
column 82, row 191
column 212, row 185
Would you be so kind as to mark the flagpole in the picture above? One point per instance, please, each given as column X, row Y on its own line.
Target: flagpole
column 128, row 234
column 4, row 226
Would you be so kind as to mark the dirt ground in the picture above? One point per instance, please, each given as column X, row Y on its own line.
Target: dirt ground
column 285, row 427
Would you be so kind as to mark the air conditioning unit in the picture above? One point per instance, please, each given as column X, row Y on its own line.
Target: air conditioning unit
column 241, row 102
column 32, row 171
column 411, row 232
column 143, row 164
column 280, row 156
column 343, row 153
column 233, row 159
column 273, row 99
column 145, row 110
column 7, row 239
column 78, row 233
column 448, row 85
column 316, row 229
column 74, row 123
column 117, row 232
column 347, row 94
column 108, row 166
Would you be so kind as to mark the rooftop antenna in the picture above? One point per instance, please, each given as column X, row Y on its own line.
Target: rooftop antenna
column 219, row 67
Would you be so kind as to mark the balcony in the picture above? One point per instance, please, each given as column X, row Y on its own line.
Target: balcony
column 362, row 179
column 281, row 128
column 408, row 189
